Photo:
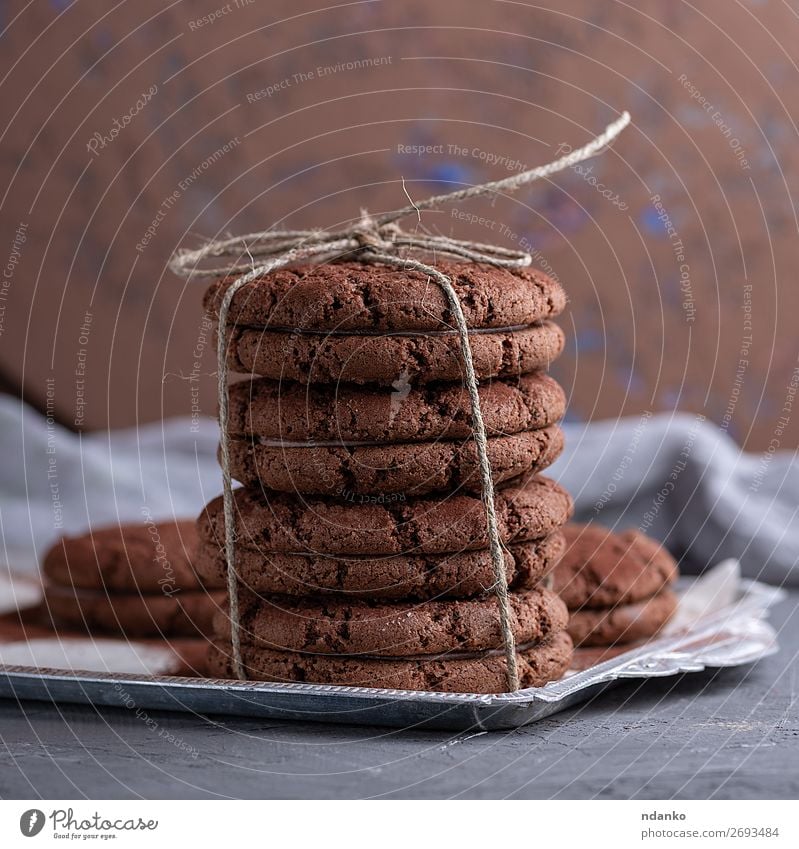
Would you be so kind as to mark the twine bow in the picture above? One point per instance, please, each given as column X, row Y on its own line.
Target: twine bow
column 375, row 239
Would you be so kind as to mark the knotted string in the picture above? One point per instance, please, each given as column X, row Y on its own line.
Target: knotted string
column 375, row 239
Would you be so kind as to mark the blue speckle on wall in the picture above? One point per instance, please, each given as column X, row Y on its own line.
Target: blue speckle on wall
column 587, row 340
column 102, row 39
column 650, row 221
column 171, row 65
column 670, row 292
column 689, row 116
column 448, row 172
column 628, row 378
column 566, row 215
column 365, row 10
column 669, row 399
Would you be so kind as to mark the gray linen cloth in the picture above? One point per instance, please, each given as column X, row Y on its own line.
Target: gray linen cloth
column 677, row 477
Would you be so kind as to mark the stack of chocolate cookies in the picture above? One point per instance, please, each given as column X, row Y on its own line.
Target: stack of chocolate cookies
column 130, row 580
column 617, row 586
column 361, row 543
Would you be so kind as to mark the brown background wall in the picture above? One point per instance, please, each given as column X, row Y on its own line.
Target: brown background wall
column 658, row 319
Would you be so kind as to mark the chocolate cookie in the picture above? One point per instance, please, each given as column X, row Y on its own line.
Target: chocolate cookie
column 152, row 558
column 321, row 357
column 344, row 626
column 390, row 525
column 414, row 468
column 460, row 575
column 290, row 411
column 624, row 623
column 455, row 673
column 350, row 296
column 184, row 614
column 601, row 568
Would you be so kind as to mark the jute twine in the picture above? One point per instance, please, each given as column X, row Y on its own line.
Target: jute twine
column 375, row 239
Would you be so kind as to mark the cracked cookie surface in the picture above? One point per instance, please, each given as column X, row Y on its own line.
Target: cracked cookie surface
column 291, row 411
column 416, row 468
column 537, row 665
column 623, row 623
column 346, row 626
column 126, row 558
column 600, row 568
column 313, row 524
column 459, row 575
column 393, row 359
column 354, row 296
column 184, row 614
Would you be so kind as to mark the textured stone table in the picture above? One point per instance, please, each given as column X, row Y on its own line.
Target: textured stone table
column 729, row 734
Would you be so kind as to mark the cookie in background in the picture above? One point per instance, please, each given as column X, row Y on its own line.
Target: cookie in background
column 617, row 586
column 129, row 580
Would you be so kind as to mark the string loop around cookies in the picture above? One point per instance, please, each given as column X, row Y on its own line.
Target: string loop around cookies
column 374, row 239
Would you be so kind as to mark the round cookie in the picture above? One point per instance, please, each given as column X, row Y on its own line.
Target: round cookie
column 624, row 623
column 601, row 568
column 409, row 468
column 414, row 578
column 291, row 523
column 480, row 673
column 344, row 626
column 184, row 614
column 343, row 412
column 322, row 357
column 152, row 558
column 347, row 296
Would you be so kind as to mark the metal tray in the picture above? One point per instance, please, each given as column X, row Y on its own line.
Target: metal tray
column 733, row 635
